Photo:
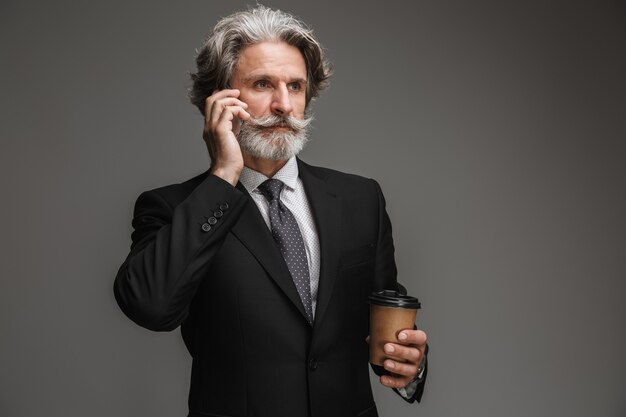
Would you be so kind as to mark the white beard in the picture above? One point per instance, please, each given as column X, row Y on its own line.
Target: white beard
column 258, row 139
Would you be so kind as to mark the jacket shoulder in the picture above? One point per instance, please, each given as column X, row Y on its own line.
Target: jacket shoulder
column 337, row 178
column 176, row 193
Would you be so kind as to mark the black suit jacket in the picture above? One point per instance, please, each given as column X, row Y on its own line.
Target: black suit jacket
column 254, row 354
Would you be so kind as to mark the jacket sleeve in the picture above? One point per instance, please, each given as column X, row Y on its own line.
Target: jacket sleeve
column 386, row 278
column 386, row 272
column 172, row 248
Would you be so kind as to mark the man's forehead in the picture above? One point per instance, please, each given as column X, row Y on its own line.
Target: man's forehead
column 271, row 59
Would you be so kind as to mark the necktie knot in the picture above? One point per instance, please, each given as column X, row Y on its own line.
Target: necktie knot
column 271, row 189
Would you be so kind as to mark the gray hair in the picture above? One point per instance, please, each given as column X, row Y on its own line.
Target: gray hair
column 219, row 54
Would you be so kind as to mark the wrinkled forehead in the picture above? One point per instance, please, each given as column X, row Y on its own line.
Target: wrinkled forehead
column 271, row 60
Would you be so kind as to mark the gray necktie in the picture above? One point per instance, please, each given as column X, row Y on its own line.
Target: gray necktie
column 287, row 234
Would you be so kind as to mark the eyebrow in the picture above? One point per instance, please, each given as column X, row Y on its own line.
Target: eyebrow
column 268, row 77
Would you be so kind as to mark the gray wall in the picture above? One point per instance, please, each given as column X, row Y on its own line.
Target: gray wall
column 495, row 128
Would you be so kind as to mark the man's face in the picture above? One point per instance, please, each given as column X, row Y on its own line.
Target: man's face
column 271, row 77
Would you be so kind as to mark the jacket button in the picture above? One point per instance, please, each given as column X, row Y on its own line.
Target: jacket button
column 212, row 221
column 312, row 364
column 224, row 206
column 206, row 227
column 218, row 214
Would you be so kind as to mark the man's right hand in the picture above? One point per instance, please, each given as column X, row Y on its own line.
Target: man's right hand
column 222, row 119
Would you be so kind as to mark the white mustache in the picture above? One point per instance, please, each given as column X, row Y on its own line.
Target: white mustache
column 261, row 138
column 274, row 120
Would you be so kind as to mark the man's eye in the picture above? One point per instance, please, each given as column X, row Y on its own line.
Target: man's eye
column 261, row 84
column 295, row 86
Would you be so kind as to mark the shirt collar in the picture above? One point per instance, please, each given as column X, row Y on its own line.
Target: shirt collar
column 288, row 174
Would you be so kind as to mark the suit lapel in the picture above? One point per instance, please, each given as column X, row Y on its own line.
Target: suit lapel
column 326, row 207
column 253, row 233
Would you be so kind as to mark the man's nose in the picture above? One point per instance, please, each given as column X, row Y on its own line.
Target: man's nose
column 281, row 103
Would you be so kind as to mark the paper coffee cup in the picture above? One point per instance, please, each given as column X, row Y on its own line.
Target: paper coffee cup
column 390, row 312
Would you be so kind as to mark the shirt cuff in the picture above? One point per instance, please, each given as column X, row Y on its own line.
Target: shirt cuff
column 408, row 391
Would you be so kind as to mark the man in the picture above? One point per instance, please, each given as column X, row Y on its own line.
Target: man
column 267, row 262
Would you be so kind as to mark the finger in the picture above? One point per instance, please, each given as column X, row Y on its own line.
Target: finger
column 237, row 121
column 217, row 95
column 237, row 111
column 405, row 353
column 412, row 337
column 401, row 369
column 392, row 381
column 227, row 92
column 230, row 112
column 222, row 123
column 242, row 113
column 219, row 106
column 225, row 121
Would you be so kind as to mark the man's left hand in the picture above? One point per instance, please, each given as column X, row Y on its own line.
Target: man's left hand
column 407, row 356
